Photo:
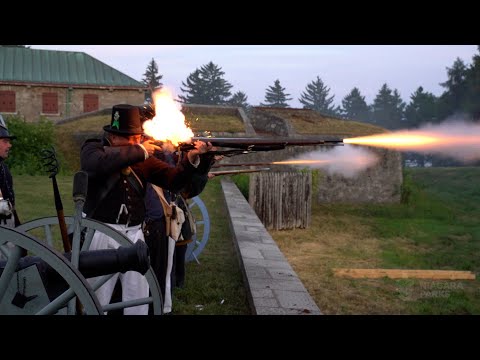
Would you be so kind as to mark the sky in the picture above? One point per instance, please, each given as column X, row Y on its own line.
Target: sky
column 254, row 68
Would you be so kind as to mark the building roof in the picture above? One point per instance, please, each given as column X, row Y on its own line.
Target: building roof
column 53, row 67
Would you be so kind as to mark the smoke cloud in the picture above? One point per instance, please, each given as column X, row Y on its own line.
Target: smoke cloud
column 458, row 139
column 346, row 160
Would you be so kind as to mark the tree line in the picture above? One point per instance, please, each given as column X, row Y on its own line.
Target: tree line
column 461, row 96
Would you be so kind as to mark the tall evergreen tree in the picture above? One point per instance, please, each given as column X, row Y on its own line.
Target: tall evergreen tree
column 452, row 100
column 315, row 97
column 194, row 89
column 151, row 78
column 239, row 99
column 275, row 96
column 218, row 89
column 206, row 86
column 421, row 109
column 387, row 108
column 472, row 105
column 354, row 106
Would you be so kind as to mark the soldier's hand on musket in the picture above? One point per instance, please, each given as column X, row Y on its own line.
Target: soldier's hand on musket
column 150, row 147
column 200, row 148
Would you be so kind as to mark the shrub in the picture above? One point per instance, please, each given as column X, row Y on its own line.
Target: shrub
column 25, row 157
column 242, row 181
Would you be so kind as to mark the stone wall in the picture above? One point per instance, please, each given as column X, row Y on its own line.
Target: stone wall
column 70, row 100
column 379, row 184
column 269, row 123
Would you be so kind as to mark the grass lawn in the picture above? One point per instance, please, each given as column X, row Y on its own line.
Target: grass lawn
column 437, row 229
column 215, row 286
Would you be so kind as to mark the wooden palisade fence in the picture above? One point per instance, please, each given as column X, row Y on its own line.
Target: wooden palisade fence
column 282, row 200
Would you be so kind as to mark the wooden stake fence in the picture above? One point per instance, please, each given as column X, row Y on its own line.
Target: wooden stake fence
column 282, row 200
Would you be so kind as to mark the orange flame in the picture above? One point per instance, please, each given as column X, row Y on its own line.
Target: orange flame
column 415, row 140
column 169, row 121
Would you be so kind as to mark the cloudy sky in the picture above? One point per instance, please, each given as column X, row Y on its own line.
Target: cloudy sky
column 253, row 68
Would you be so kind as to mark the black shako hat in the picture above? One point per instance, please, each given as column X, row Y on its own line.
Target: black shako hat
column 4, row 131
column 126, row 120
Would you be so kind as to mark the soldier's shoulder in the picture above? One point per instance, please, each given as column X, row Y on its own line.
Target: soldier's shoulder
column 92, row 142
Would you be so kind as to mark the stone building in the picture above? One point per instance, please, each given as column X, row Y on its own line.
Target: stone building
column 60, row 84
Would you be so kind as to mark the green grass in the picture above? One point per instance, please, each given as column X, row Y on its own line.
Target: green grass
column 215, row 285
column 436, row 227
column 218, row 123
column 34, row 196
column 441, row 220
column 216, row 278
column 311, row 122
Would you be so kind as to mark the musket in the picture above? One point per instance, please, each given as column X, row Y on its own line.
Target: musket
column 51, row 163
column 242, row 164
column 234, row 172
column 245, row 145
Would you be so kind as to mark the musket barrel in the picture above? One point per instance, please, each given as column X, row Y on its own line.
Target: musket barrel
column 233, row 172
column 259, row 141
column 242, row 164
column 248, row 144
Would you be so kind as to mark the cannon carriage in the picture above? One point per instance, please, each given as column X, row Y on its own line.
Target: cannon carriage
column 49, row 282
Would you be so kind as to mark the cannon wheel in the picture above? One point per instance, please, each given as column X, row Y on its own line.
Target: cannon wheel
column 79, row 287
column 202, row 221
column 90, row 227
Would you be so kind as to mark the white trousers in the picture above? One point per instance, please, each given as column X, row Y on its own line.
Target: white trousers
column 134, row 284
column 167, row 304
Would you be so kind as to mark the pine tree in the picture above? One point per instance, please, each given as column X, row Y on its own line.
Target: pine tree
column 218, row 89
column 275, row 96
column 421, row 109
column 454, row 97
column 239, row 99
column 206, row 86
column 315, row 97
column 194, row 88
column 151, row 79
column 354, row 106
column 387, row 108
column 472, row 103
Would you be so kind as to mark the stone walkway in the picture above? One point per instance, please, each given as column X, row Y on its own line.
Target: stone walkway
column 273, row 287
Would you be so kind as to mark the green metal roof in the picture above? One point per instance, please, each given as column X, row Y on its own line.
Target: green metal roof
column 59, row 67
